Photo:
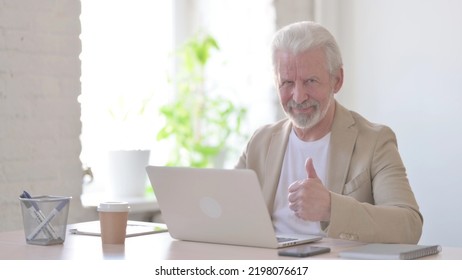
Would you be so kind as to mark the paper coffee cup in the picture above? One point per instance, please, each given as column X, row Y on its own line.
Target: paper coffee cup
column 113, row 218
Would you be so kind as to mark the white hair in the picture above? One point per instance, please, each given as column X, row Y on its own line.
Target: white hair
column 306, row 35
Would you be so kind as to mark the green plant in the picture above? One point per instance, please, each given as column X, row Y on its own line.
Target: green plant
column 129, row 121
column 123, row 108
column 199, row 123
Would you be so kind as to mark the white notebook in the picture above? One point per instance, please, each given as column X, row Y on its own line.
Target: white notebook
column 134, row 228
column 379, row 251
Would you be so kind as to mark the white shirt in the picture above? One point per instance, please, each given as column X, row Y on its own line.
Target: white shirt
column 293, row 169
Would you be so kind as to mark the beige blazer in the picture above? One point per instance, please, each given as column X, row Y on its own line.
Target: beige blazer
column 371, row 199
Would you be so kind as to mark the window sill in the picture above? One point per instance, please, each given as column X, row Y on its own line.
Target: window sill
column 146, row 203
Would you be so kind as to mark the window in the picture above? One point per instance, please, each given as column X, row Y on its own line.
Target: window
column 127, row 48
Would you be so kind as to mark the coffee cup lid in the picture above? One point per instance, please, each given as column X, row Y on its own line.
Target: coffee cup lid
column 114, row 206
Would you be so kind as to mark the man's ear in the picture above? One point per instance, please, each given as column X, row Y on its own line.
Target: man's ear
column 337, row 80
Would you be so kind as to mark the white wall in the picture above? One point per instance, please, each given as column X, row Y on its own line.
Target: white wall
column 403, row 67
column 39, row 112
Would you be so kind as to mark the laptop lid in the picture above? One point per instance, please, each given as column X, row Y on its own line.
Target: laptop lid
column 217, row 206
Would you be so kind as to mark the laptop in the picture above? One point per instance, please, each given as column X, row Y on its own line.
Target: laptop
column 222, row 206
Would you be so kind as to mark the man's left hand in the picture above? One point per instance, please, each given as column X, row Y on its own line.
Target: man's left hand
column 308, row 198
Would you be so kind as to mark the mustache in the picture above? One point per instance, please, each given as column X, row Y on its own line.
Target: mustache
column 305, row 104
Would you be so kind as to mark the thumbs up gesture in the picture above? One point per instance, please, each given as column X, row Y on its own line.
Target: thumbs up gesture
column 308, row 198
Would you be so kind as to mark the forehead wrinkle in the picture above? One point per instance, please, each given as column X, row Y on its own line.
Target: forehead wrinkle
column 286, row 65
column 295, row 66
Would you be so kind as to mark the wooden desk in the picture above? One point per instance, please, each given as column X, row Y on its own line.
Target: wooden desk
column 160, row 246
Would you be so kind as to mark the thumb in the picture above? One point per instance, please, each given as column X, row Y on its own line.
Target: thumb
column 310, row 171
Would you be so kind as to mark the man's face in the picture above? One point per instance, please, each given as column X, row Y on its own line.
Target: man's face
column 306, row 88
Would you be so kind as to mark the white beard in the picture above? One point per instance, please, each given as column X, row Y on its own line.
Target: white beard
column 305, row 121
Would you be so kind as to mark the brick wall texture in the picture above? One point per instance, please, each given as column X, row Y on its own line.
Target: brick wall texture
column 39, row 111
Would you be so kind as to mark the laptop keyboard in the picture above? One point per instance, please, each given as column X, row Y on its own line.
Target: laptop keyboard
column 285, row 239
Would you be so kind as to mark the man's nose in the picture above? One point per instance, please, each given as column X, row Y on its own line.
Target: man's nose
column 299, row 93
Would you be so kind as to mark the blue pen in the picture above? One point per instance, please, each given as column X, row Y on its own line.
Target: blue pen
column 46, row 221
column 35, row 211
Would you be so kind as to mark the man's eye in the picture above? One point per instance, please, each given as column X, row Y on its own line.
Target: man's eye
column 310, row 81
column 286, row 84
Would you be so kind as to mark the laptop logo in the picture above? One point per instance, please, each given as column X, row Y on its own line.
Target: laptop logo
column 210, row 207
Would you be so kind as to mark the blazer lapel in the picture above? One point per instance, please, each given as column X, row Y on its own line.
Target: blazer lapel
column 343, row 138
column 273, row 165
